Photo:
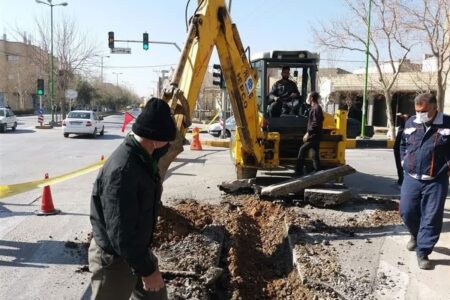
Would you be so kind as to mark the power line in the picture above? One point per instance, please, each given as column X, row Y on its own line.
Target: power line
column 138, row 67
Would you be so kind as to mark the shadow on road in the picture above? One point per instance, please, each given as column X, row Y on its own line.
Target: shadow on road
column 184, row 162
column 106, row 136
column 41, row 253
column 18, row 131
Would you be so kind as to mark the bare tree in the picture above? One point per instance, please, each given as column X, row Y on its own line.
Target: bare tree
column 431, row 18
column 74, row 54
column 389, row 41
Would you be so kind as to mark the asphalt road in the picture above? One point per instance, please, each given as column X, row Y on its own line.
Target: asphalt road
column 35, row 262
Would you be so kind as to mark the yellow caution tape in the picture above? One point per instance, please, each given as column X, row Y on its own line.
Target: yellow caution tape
column 14, row 189
column 213, row 119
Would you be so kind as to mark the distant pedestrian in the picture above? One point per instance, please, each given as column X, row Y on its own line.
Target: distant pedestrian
column 425, row 154
column 400, row 121
column 311, row 140
column 124, row 209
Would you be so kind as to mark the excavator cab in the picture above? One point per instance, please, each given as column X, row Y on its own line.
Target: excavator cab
column 292, row 123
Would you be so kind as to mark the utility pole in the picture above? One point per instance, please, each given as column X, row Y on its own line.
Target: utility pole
column 52, row 78
column 224, row 114
column 117, row 77
column 364, row 108
column 101, row 68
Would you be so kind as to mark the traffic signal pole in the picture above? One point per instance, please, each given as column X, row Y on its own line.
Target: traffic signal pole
column 151, row 42
column 52, row 78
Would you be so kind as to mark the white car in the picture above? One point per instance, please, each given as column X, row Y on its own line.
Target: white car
column 83, row 122
column 7, row 119
column 215, row 129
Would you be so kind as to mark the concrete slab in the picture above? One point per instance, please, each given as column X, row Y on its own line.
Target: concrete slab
column 295, row 185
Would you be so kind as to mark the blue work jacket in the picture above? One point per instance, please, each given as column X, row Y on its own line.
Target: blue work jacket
column 425, row 150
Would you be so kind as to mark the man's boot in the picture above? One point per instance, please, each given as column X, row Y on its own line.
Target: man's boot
column 423, row 262
column 412, row 244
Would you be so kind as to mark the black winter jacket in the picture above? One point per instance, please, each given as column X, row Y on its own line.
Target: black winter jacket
column 283, row 89
column 315, row 123
column 124, row 205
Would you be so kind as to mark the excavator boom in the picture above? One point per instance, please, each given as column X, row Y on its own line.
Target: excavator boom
column 211, row 27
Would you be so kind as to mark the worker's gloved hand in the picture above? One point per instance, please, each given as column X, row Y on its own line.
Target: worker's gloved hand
column 153, row 282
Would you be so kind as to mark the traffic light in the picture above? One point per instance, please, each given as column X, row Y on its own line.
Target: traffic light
column 111, row 39
column 217, row 76
column 145, row 41
column 40, row 87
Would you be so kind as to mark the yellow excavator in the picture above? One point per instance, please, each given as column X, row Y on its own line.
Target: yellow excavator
column 261, row 141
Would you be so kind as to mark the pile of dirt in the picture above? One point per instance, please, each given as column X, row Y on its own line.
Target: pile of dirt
column 255, row 254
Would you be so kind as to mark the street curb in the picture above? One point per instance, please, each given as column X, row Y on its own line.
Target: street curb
column 216, row 143
column 349, row 144
column 44, row 127
column 294, row 254
column 369, row 144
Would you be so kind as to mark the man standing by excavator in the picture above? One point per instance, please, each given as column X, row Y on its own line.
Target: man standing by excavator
column 311, row 140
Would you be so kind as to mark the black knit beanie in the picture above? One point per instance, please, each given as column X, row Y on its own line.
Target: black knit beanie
column 155, row 122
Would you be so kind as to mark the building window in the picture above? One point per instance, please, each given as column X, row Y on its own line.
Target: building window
column 13, row 58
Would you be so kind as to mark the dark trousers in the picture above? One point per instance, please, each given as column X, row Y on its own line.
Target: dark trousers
column 279, row 107
column 422, row 209
column 398, row 161
column 312, row 145
column 112, row 278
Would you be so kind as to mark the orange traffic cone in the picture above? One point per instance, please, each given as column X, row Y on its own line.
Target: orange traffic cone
column 195, row 144
column 47, row 207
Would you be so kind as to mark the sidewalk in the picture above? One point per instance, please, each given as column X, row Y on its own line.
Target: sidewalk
column 376, row 174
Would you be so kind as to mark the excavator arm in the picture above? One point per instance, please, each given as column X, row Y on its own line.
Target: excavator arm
column 211, row 27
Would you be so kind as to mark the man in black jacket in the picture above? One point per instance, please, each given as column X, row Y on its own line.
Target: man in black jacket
column 124, row 208
column 311, row 140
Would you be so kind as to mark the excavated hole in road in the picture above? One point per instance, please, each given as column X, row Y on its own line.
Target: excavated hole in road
column 255, row 256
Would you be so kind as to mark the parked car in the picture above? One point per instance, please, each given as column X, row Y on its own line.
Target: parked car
column 354, row 129
column 7, row 119
column 215, row 129
column 83, row 122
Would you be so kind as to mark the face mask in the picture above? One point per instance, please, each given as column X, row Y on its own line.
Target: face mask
column 422, row 117
column 159, row 152
column 308, row 101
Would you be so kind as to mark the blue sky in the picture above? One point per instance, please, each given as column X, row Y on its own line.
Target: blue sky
column 263, row 25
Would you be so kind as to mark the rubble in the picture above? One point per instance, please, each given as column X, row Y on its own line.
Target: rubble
column 327, row 197
column 244, row 186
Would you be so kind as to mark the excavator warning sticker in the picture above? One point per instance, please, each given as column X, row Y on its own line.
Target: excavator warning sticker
column 249, row 85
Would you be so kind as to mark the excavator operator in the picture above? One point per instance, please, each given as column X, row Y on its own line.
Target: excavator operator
column 284, row 96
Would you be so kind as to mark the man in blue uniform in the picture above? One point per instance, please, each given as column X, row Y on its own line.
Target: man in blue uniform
column 425, row 154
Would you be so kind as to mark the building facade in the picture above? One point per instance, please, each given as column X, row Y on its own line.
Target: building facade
column 21, row 64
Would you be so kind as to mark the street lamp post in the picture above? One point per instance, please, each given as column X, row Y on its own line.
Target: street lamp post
column 101, row 68
column 117, row 77
column 52, row 79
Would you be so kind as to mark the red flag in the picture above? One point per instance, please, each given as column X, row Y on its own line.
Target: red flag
column 128, row 118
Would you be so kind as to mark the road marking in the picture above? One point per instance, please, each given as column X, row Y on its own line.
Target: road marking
column 18, row 188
